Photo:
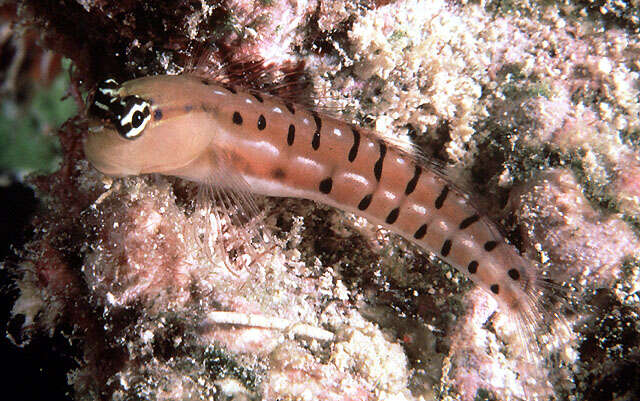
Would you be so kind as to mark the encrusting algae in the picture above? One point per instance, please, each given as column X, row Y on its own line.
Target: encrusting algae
column 536, row 107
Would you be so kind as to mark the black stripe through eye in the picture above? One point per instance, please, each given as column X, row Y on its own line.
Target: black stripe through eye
column 411, row 185
column 356, row 144
column 377, row 168
column 258, row 97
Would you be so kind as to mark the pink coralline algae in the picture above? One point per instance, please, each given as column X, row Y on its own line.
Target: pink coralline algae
column 576, row 244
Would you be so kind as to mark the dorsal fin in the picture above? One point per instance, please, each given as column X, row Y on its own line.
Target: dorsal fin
column 285, row 80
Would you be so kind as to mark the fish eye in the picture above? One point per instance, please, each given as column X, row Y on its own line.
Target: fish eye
column 133, row 118
column 129, row 115
column 137, row 120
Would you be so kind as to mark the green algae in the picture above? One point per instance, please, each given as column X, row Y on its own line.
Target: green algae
column 27, row 142
column 223, row 365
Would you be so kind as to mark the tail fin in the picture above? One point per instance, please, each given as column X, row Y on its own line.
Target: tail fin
column 542, row 329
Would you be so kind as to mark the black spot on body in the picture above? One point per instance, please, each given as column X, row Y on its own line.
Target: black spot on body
column 157, row 115
column 365, row 202
column 326, row 185
column 262, row 122
column 411, row 185
column 315, row 143
column 514, row 274
column 237, row 118
column 446, row 248
column 469, row 221
column 377, row 168
column 473, row 267
column 393, row 216
column 258, row 97
column 495, row 288
column 289, row 107
column 420, row 232
column 442, row 197
column 317, row 120
column 279, row 174
column 490, row 246
column 356, row 144
column 291, row 135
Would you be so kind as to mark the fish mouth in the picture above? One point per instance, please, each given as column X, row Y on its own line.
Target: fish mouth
column 106, row 168
column 95, row 151
column 111, row 170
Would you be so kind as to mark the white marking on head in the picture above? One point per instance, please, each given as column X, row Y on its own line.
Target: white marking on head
column 305, row 121
column 109, row 92
column 102, row 106
column 400, row 160
column 134, row 132
column 371, row 144
column 217, row 92
column 129, row 116
column 337, row 132
column 249, row 101
column 277, row 110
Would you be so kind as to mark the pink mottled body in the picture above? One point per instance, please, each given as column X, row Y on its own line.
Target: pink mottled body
column 214, row 134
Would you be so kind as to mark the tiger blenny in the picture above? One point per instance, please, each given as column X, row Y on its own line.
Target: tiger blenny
column 203, row 131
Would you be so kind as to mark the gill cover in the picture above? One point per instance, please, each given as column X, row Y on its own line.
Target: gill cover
column 129, row 115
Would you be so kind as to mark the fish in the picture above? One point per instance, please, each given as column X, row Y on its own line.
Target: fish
column 212, row 133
